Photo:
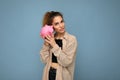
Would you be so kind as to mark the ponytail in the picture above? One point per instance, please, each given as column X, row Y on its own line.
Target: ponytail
column 46, row 18
column 49, row 16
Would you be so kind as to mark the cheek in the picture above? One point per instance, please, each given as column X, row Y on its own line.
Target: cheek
column 56, row 29
column 63, row 23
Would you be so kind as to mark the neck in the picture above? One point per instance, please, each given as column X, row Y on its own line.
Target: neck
column 59, row 35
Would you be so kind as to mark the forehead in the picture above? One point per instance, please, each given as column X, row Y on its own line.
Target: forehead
column 57, row 19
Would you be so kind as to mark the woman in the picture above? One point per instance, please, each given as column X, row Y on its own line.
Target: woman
column 59, row 50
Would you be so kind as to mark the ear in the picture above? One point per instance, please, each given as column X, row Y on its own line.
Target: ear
column 53, row 27
column 54, row 30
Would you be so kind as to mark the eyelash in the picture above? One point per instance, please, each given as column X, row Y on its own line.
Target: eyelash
column 60, row 22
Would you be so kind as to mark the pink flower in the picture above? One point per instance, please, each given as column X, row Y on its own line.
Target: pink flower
column 46, row 30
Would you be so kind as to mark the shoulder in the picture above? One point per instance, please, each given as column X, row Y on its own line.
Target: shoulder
column 71, row 40
column 70, row 37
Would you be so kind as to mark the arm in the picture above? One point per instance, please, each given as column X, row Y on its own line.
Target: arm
column 65, row 57
column 44, row 53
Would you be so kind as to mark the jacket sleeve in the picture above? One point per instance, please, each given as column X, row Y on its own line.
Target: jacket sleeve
column 65, row 57
column 45, row 53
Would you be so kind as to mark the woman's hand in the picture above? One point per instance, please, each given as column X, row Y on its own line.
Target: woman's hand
column 50, row 40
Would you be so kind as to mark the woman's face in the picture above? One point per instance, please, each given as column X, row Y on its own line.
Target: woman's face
column 58, row 24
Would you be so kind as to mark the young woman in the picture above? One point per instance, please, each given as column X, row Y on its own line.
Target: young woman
column 59, row 50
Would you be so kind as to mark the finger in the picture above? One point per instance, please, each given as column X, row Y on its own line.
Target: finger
column 46, row 40
column 47, row 37
column 52, row 35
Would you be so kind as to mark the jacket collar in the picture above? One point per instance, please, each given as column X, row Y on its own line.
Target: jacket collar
column 65, row 35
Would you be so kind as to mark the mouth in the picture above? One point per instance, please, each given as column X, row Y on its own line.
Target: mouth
column 62, row 29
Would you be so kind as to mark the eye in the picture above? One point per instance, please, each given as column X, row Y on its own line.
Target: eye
column 62, row 21
column 56, row 23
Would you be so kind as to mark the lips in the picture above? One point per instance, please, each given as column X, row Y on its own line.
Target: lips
column 62, row 29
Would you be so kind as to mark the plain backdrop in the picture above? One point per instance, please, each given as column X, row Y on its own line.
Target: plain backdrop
column 95, row 23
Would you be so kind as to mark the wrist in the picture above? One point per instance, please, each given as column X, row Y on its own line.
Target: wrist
column 46, row 43
column 54, row 45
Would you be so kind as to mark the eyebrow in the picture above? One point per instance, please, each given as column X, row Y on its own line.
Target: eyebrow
column 58, row 22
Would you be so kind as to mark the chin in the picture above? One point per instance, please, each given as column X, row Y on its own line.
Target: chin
column 62, row 31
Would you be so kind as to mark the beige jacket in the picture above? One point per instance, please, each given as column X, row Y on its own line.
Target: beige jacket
column 65, row 57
